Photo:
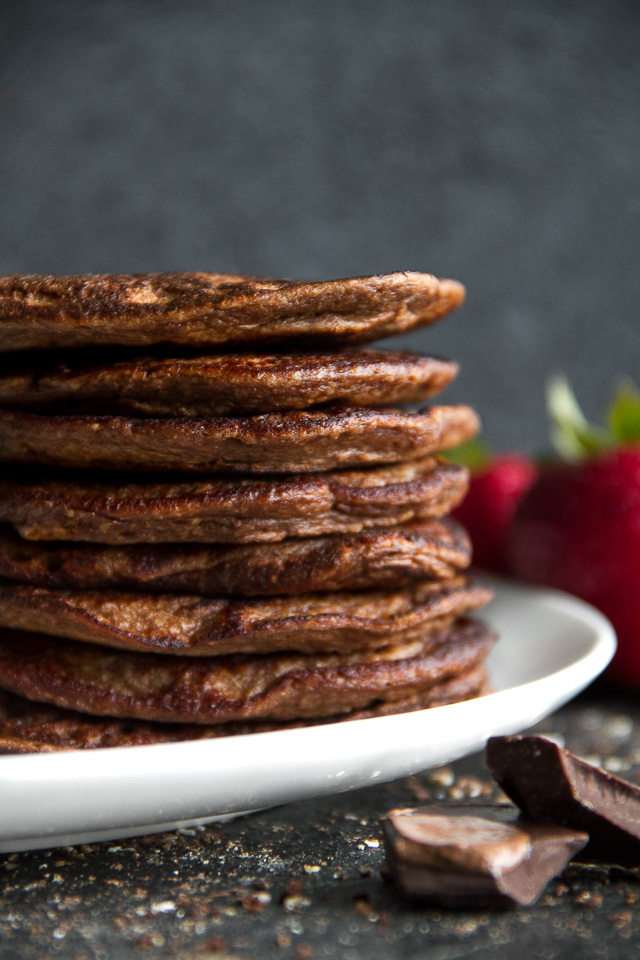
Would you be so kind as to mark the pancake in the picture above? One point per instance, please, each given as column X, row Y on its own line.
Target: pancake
column 210, row 309
column 224, row 385
column 227, row 510
column 28, row 727
column 211, row 690
column 430, row 549
column 196, row 626
column 293, row 442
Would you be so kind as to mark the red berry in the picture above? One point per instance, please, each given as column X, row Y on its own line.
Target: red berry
column 490, row 504
column 578, row 529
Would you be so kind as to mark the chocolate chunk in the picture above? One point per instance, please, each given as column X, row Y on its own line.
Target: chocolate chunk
column 553, row 785
column 472, row 855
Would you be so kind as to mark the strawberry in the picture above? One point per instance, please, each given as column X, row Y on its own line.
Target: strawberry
column 496, row 486
column 578, row 527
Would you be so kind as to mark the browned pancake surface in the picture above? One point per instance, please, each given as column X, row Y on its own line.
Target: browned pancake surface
column 219, row 689
column 298, row 441
column 226, row 384
column 230, row 510
column 430, row 549
column 176, row 624
column 207, row 309
column 29, row 727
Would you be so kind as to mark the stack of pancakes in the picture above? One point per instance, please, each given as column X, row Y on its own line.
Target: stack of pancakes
column 212, row 521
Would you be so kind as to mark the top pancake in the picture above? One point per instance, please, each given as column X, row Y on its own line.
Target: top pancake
column 210, row 309
column 223, row 385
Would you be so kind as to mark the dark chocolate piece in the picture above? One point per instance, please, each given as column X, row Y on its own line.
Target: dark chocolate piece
column 551, row 784
column 471, row 855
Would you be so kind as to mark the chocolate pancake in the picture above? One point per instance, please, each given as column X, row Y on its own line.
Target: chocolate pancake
column 430, row 549
column 209, row 309
column 212, row 690
column 227, row 510
column 299, row 441
column 196, row 626
column 224, row 385
column 28, row 727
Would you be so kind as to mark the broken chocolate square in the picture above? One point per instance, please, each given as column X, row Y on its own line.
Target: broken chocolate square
column 552, row 785
column 471, row 855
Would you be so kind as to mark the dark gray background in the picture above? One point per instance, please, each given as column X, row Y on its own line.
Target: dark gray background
column 496, row 142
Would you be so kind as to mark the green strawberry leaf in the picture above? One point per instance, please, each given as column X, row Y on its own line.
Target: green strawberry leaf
column 623, row 418
column 573, row 437
column 474, row 454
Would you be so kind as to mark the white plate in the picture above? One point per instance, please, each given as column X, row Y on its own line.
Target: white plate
column 551, row 647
